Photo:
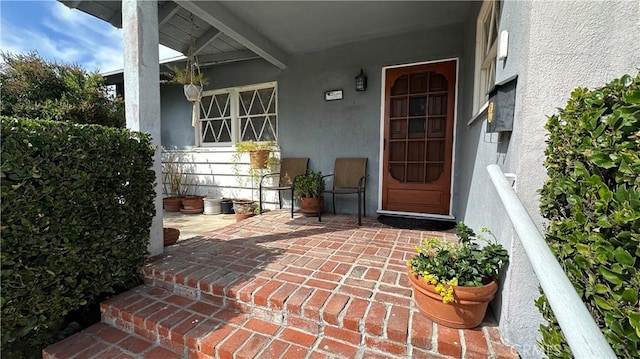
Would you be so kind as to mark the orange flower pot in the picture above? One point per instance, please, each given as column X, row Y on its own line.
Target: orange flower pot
column 172, row 204
column 259, row 158
column 311, row 206
column 467, row 310
column 170, row 235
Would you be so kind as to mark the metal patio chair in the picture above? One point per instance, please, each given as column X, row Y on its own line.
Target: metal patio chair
column 290, row 169
column 350, row 177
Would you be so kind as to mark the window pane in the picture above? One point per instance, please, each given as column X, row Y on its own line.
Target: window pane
column 396, row 151
column 400, row 86
column 398, row 129
column 417, row 128
column 417, row 106
column 397, row 171
column 418, row 82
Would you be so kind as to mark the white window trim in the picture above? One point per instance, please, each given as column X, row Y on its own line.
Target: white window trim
column 234, row 113
column 482, row 61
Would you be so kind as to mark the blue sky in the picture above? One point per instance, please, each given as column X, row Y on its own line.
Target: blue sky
column 62, row 34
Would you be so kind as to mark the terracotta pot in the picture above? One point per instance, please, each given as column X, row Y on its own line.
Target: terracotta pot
column 243, row 206
column 259, row 158
column 172, row 204
column 170, row 235
column 311, row 206
column 466, row 311
column 243, row 216
column 193, row 203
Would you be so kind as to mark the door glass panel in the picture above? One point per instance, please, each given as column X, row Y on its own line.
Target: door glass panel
column 417, row 127
column 434, row 170
column 398, row 107
column 438, row 105
column 437, row 82
column 398, row 129
column 418, row 82
column 397, row 171
column 416, row 151
column 415, row 172
column 435, row 150
column 396, row 151
column 437, row 127
column 400, row 86
column 417, row 106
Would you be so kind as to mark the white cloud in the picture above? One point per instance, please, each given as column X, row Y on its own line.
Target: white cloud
column 71, row 36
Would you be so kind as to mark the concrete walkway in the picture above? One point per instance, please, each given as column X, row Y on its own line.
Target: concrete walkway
column 193, row 225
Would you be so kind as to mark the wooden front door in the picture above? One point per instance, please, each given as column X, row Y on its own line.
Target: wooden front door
column 418, row 138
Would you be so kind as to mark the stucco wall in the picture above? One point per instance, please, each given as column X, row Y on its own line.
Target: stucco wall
column 553, row 48
column 308, row 125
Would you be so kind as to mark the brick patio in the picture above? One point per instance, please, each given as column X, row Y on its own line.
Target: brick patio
column 276, row 287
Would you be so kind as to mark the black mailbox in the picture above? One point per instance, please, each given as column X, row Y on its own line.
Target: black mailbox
column 502, row 101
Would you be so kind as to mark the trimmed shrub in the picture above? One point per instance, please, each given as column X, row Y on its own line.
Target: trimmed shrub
column 592, row 200
column 77, row 205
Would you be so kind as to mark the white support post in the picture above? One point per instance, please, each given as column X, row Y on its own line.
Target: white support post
column 142, row 89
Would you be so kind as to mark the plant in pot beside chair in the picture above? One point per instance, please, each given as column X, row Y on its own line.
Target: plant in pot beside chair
column 454, row 282
column 308, row 189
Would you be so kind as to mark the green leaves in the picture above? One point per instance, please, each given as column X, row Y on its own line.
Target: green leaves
column 466, row 261
column 592, row 200
column 35, row 88
column 69, row 193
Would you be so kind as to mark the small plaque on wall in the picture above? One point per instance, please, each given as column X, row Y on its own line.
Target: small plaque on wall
column 333, row 95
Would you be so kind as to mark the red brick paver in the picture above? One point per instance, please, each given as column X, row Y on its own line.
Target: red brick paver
column 273, row 287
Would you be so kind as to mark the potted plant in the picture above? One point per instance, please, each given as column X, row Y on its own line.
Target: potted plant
column 308, row 189
column 170, row 235
column 259, row 152
column 244, row 208
column 212, row 203
column 192, row 80
column 454, row 282
column 175, row 184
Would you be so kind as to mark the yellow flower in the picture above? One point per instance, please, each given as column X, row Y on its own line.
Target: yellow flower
column 439, row 288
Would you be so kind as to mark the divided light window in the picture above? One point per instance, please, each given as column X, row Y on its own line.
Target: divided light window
column 235, row 114
column 486, row 52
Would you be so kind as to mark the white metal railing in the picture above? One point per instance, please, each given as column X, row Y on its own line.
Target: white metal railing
column 582, row 333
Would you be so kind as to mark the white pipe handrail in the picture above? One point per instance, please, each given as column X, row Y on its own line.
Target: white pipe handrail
column 582, row 333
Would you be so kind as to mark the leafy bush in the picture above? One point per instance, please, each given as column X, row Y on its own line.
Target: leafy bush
column 35, row 88
column 77, row 204
column 592, row 199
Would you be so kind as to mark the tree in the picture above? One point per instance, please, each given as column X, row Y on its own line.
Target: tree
column 33, row 87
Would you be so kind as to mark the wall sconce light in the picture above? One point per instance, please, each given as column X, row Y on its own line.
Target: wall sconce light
column 361, row 81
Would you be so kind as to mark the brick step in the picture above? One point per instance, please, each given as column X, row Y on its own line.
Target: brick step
column 149, row 322
column 309, row 289
column 104, row 341
column 198, row 329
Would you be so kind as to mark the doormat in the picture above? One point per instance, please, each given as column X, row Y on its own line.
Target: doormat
column 416, row 223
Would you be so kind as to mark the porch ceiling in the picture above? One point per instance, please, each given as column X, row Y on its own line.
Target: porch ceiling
column 240, row 30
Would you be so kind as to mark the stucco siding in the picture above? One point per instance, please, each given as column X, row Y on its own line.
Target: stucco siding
column 553, row 48
column 309, row 126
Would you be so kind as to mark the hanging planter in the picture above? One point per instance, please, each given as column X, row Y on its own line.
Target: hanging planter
column 193, row 92
column 190, row 76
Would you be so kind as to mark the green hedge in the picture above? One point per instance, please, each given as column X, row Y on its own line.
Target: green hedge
column 77, row 205
column 592, row 200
